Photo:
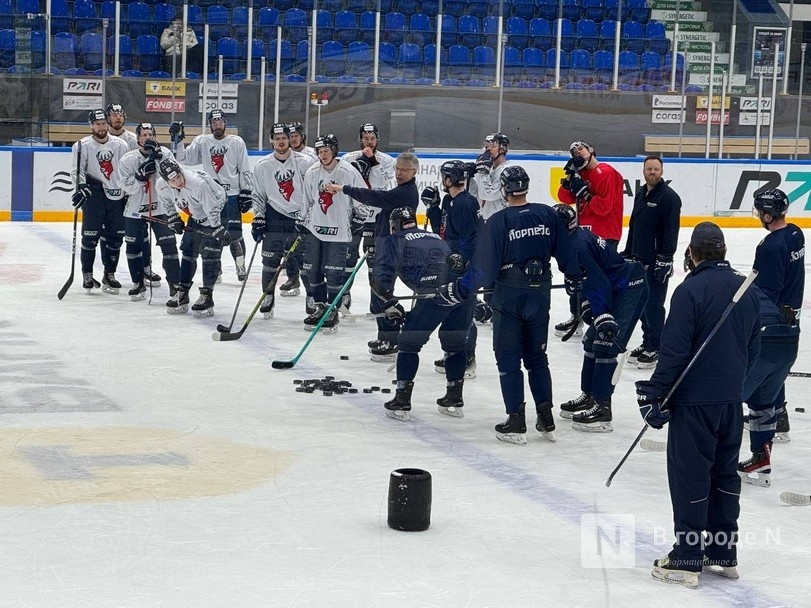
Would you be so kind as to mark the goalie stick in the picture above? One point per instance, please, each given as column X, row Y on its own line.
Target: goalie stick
column 224, row 334
column 792, row 498
column 69, row 282
column 737, row 296
column 278, row 364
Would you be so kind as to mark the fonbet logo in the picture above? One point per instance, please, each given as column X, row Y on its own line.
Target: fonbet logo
column 93, row 465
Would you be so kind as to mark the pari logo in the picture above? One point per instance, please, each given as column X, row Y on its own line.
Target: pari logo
column 796, row 185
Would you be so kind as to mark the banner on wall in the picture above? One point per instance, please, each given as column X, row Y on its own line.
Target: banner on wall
column 764, row 43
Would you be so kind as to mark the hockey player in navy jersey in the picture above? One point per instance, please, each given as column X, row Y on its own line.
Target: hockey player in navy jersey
column 704, row 411
column 612, row 299
column 514, row 255
column 780, row 262
column 458, row 221
column 421, row 260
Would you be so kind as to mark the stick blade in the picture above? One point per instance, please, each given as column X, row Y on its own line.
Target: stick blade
column 64, row 289
column 282, row 364
column 651, row 445
column 223, row 329
column 792, row 498
column 226, row 336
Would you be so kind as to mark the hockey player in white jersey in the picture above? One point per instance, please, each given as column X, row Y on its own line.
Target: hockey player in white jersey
column 328, row 217
column 298, row 140
column 278, row 198
column 99, row 196
column 196, row 193
column 225, row 158
column 489, row 166
column 377, row 170
column 138, row 173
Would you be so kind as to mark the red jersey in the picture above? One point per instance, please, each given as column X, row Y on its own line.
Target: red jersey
column 602, row 214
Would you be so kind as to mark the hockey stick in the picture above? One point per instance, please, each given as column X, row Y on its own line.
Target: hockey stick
column 185, row 228
column 290, row 363
column 615, row 377
column 224, row 334
column 799, row 374
column 223, row 328
column 792, row 498
column 577, row 318
column 69, row 282
column 651, row 445
column 737, row 296
column 149, row 215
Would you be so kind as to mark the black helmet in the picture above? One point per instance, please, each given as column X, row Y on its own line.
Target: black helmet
column 367, row 127
column 94, row 115
column 279, row 128
column 568, row 214
column 169, row 168
column 216, row 114
column 402, row 218
column 514, row 180
column 502, row 140
column 454, row 170
column 115, row 108
column 144, row 126
column 327, row 141
column 774, row 202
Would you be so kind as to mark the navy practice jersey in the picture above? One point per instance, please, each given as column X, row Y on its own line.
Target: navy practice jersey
column 385, row 201
column 417, row 257
column 606, row 271
column 516, row 235
column 458, row 221
column 780, row 262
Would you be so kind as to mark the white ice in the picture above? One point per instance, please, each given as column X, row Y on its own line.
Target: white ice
column 144, row 465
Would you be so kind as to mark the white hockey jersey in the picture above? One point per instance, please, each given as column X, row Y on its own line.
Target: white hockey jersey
column 201, row 197
column 139, row 196
column 280, row 184
column 226, row 160
column 129, row 138
column 99, row 162
column 381, row 176
column 308, row 151
column 488, row 191
column 329, row 216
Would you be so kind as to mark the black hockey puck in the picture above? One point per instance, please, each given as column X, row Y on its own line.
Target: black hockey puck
column 344, row 357
column 327, row 393
column 394, row 381
column 385, row 390
column 299, row 389
column 353, row 390
column 375, row 388
column 297, row 381
column 367, row 390
column 801, row 410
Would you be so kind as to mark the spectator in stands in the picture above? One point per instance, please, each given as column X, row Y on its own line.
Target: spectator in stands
column 172, row 41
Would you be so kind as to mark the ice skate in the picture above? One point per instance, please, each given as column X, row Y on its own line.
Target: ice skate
column 204, row 306
column 647, row 359
column 383, row 352
column 758, row 469
column 267, row 306
column 451, row 404
column 633, row 356
column 399, row 407
column 514, row 429
column 89, row 283
column 179, row 302
column 596, row 419
column 309, row 305
column 470, row 366
column 345, row 305
column 330, row 324
column 138, row 292
column 720, row 570
column 561, row 329
column 783, row 427
column 109, row 284
column 579, row 404
column 150, row 278
column 545, row 423
column 291, row 287
column 665, row 571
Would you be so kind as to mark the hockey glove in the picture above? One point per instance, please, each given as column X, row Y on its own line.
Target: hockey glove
column 430, row 197
column 606, row 327
column 245, row 201
column 664, row 268
column 585, row 312
column 578, row 187
column 176, row 223
column 573, row 286
column 650, row 405
column 574, row 164
column 177, row 132
column 628, row 256
column 81, row 195
column 393, row 310
column 688, row 261
column 362, row 164
column 153, row 149
column 456, row 262
column 484, row 163
column 145, row 169
column 482, row 312
column 368, row 240
column 258, row 229
column 448, row 294
column 222, row 235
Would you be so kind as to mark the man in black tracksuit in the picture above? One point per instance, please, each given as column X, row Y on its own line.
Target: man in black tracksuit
column 652, row 235
column 404, row 195
column 705, row 414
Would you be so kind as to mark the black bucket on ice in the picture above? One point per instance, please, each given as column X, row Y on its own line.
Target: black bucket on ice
column 410, row 500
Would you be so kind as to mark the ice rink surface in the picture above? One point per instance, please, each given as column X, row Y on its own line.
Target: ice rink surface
column 144, row 465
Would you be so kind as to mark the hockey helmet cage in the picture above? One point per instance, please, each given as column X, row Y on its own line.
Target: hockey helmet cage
column 580, row 143
column 280, row 128
column 514, row 180
column 454, row 170
column 94, row 115
column 327, row 141
column 115, row 108
column 169, row 168
column 368, row 127
column 216, row 114
column 144, row 126
column 402, row 218
column 774, row 202
column 568, row 214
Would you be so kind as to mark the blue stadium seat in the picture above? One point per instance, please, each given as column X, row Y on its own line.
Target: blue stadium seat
column 421, row 28
column 580, row 63
column 571, row 10
column 646, row 86
column 628, row 62
column 332, row 6
column 346, row 27
column 8, row 47
column 359, row 58
column 218, row 20
column 64, row 50
column 430, row 7
column 38, row 49
column 490, row 30
column 347, row 79
column 525, row 9
column 268, row 20
column 148, row 51
column 282, row 5
column 286, row 58
column 512, row 63
column 294, row 78
column 333, row 58
column 159, row 74
column 574, row 85
column 295, row 24
column 484, row 62
column 91, row 47
column 587, row 35
column 323, row 24
column 459, row 60
column 124, row 52
column 424, row 81
column 449, row 31
column 407, row 7
column 476, row 82
column 567, row 39
column 239, row 76
column 305, row 5
column 396, row 80
column 164, row 12
column 139, row 19
column 60, row 21
column 478, row 8
column 395, row 28
column 410, row 60
column 455, row 8
column 239, row 22
column 608, row 30
column 655, row 34
column 547, row 9
column 517, row 31
column 540, row 33
column 612, row 10
column 387, row 60
column 638, row 10
column 258, row 50
column 598, row 86
column 651, row 65
column 106, row 72
column 469, row 32
column 604, row 65
column 551, row 58
column 75, row 72
column 592, row 9
column 132, row 74
column 19, row 69
column 7, row 15
column 84, row 16
column 356, row 6
column 429, row 58
column 451, row 82
column 534, row 62
column 367, row 27
column 633, row 36
column 229, row 48
column 302, row 58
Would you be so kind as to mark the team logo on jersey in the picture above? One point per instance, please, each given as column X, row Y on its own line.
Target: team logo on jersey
column 285, row 181
column 218, row 157
column 324, row 200
column 105, row 158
